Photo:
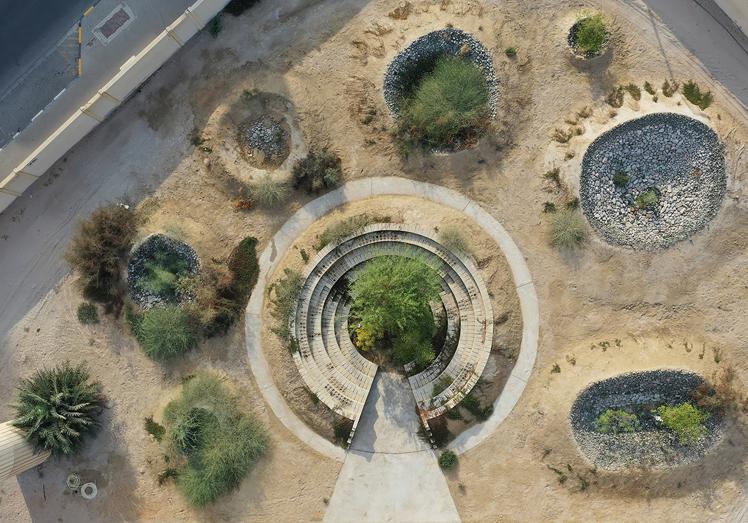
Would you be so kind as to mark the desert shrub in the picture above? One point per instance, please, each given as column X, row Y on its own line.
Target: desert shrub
column 549, row 207
column 511, row 52
column 390, row 298
column 161, row 274
column 669, row 89
column 164, row 332
column 154, row 428
column 337, row 231
column 615, row 97
column 447, row 460
column 268, row 192
column 634, row 91
column 447, row 106
column 573, row 203
column 218, row 442
column 648, row 87
column 97, row 249
column 590, row 35
column 647, row 199
column 317, row 171
column 621, row 179
column 454, row 240
column 237, row 7
column 568, row 229
column 720, row 393
column 87, row 313
column 616, row 421
column 685, row 420
column 284, row 293
column 693, row 94
column 58, row 408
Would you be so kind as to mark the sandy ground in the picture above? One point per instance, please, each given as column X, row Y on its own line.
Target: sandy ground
column 328, row 59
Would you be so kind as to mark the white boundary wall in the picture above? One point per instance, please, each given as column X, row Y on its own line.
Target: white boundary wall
column 111, row 95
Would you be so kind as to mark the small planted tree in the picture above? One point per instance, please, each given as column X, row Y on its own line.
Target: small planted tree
column 591, row 35
column 447, row 460
column 58, row 408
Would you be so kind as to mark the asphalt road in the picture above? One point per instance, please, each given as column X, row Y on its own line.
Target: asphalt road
column 29, row 29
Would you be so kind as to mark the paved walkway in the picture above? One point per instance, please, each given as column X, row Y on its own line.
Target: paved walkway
column 360, row 190
column 390, row 472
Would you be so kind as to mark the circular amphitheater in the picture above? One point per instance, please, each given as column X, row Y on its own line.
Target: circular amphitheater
column 329, row 363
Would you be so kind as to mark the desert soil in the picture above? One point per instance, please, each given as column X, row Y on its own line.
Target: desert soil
column 328, row 58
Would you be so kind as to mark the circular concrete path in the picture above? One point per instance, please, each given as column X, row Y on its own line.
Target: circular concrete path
column 360, row 190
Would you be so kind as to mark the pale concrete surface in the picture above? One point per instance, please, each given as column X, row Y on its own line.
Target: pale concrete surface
column 737, row 10
column 359, row 190
column 390, row 474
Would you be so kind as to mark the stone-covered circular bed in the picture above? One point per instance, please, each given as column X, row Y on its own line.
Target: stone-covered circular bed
column 627, row 420
column 445, row 72
column 155, row 267
column 265, row 142
column 653, row 181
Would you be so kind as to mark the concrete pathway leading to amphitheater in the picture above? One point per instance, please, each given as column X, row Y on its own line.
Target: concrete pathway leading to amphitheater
column 389, row 471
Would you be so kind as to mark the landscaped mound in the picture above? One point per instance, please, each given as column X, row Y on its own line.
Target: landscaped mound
column 155, row 269
column 443, row 89
column 650, row 419
column 653, row 181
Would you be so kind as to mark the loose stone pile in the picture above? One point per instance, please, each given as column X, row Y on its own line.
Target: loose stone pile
column 677, row 157
column 145, row 252
column 651, row 446
column 265, row 141
column 419, row 58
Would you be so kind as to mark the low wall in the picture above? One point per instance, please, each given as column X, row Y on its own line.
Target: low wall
column 113, row 93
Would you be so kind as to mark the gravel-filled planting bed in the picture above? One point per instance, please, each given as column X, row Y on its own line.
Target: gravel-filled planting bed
column 420, row 57
column 265, row 142
column 653, row 181
column 651, row 445
column 146, row 256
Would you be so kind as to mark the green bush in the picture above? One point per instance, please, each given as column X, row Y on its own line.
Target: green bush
column 97, row 249
column 319, row 170
column 220, row 442
column 161, row 275
column 154, row 428
column 164, row 332
column 453, row 239
column 58, row 408
column 616, row 421
column 447, row 460
column 511, row 52
column 685, row 420
column 634, row 91
column 268, row 192
column 284, row 293
column 87, row 313
column 337, row 231
column 669, row 89
column 647, row 199
column 590, row 35
column 693, row 94
column 568, row 229
column 621, row 179
column 447, row 105
column 390, row 299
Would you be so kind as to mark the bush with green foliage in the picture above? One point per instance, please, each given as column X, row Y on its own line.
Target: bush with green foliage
column 693, row 94
column 391, row 299
column 317, row 171
column 342, row 229
column 634, row 91
column 161, row 274
column 568, row 230
column 164, row 332
column 647, row 199
column 268, row 192
column 215, row 442
column 669, row 89
column 448, row 106
column 87, row 313
column 98, row 248
column 453, row 239
column 511, row 52
column 154, row 428
column 591, row 35
column 685, row 420
column 616, row 421
column 621, row 179
column 284, row 293
column 447, row 460
column 58, row 408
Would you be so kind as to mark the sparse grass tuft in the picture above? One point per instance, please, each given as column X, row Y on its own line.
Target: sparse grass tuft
column 634, row 91
column 337, row 231
column 284, row 293
column 669, row 89
column 615, row 97
column 693, row 94
column 87, row 313
column 568, row 230
column 164, row 332
column 454, row 240
column 268, row 192
column 648, row 87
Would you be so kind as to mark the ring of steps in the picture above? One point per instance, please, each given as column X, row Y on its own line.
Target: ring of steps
column 331, row 366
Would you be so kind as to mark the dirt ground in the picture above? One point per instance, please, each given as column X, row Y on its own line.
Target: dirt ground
column 328, row 59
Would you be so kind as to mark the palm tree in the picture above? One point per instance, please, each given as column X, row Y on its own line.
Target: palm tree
column 56, row 408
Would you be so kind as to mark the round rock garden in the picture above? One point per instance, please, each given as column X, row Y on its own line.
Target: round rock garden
column 443, row 90
column 653, row 181
column 650, row 419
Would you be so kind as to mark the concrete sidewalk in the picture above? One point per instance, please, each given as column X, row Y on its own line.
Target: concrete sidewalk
column 737, row 10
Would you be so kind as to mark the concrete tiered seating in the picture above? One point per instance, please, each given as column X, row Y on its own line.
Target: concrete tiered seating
column 331, row 366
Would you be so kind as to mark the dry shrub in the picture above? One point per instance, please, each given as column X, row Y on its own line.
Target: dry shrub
column 721, row 393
